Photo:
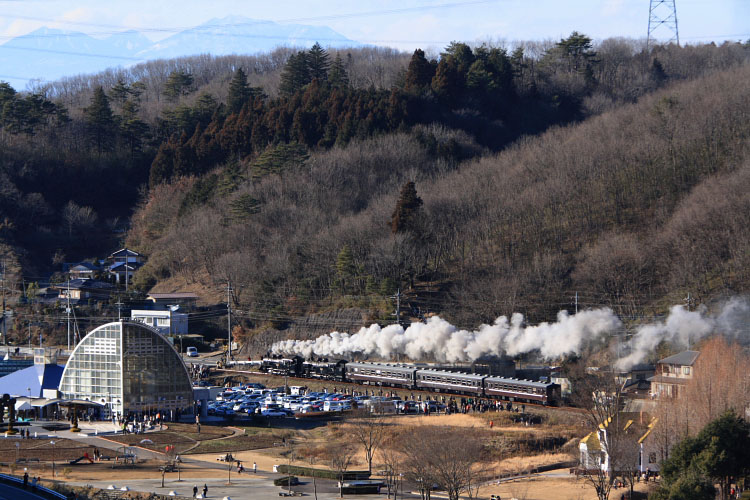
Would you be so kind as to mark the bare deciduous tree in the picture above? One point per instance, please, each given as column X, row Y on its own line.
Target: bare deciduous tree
column 340, row 457
column 368, row 429
column 600, row 394
column 447, row 459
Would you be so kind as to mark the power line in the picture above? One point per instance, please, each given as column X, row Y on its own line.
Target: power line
column 330, row 17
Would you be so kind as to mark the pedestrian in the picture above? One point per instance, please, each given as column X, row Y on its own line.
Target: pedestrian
column 205, row 490
column 255, row 468
column 25, row 480
column 195, row 490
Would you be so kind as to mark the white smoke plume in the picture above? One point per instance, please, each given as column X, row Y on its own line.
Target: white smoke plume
column 443, row 342
column 684, row 328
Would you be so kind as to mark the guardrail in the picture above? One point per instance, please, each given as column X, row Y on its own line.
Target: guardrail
column 40, row 490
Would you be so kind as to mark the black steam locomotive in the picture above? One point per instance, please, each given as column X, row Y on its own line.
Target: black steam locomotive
column 415, row 377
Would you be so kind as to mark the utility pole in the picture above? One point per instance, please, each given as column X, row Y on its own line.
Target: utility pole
column 576, row 302
column 2, row 313
column 229, row 321
column 67, row 310
column 689, row 306
column 662, row 13
column 119, row 305
column 398, row 305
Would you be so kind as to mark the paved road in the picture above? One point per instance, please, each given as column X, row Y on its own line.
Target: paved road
column 242, row 487
column 10, row 493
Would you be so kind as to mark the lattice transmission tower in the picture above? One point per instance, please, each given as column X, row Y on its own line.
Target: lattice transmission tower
column 662, row 16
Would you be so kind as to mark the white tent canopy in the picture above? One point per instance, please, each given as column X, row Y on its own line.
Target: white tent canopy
column 23, row 406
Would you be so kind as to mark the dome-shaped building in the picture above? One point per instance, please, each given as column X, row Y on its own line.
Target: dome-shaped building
column 128, row 367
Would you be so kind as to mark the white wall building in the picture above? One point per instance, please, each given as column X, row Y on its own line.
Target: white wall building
column 167, row 322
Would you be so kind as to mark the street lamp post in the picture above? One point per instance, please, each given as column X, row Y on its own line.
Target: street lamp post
column 18, row 445
column 53, row 458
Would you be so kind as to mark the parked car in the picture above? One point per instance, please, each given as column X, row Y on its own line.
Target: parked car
column 273, row 413
column 337, row 406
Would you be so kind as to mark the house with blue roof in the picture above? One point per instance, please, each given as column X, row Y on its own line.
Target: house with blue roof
column 123, row 264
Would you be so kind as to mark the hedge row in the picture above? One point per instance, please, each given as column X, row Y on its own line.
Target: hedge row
column 286, row 481
column 322, row 473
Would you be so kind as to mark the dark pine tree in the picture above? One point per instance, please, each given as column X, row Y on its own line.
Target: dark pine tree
column 296, row 74
column 132, row 128
column 407, row 206
column 318, row 63
column 239, row 92
column 100, row 121
column 120, row 92
column 420, row 72
column 178, row 83
column 337, row 76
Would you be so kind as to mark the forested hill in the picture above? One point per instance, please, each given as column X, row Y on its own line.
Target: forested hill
column 313, row 180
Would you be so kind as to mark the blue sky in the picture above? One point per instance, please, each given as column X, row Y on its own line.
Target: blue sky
column 405, row 24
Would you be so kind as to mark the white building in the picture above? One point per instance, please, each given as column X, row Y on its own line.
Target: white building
column 167, row 322
column 593, row 448
column 127, row 367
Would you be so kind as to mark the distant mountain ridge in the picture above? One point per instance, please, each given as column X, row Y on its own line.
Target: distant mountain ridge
column 49, row 54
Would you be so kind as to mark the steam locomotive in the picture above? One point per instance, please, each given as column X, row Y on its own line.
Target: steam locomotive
column 410, row 376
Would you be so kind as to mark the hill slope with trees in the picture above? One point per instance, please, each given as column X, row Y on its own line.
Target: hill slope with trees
column 481, row 182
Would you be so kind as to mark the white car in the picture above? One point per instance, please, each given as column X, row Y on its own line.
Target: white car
column 191, row 352
column 337, row 406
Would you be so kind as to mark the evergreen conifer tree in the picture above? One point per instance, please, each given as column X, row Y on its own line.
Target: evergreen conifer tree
column 295, row 75
column 318, row 63
column 420, row 72
column 337, row 76
column 178, row 83
column 100, row 121
column 120, row 92
column 239, row 92
column 133, row 129
column 407, row 206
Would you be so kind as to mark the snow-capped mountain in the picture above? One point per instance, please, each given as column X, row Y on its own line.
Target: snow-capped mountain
column 48, row 54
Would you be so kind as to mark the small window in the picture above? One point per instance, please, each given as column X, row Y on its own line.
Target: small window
column 686, row 370
column 652, row 458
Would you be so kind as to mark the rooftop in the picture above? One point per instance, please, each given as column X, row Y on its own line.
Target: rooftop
column 172, row 296
column 124, row 251
column 86, row 283
column 685, row 358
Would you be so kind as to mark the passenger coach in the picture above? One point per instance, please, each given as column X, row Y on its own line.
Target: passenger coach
column 445, row 381
column 512, row 389
column 381, row 374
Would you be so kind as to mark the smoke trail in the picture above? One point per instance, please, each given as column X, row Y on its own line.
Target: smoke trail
column 439, row 340
column 685, row 327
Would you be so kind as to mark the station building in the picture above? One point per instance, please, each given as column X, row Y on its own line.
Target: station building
column 127, row 366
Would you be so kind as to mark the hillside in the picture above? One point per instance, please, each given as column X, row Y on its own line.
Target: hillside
column 482, row 183
column 623, row 209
